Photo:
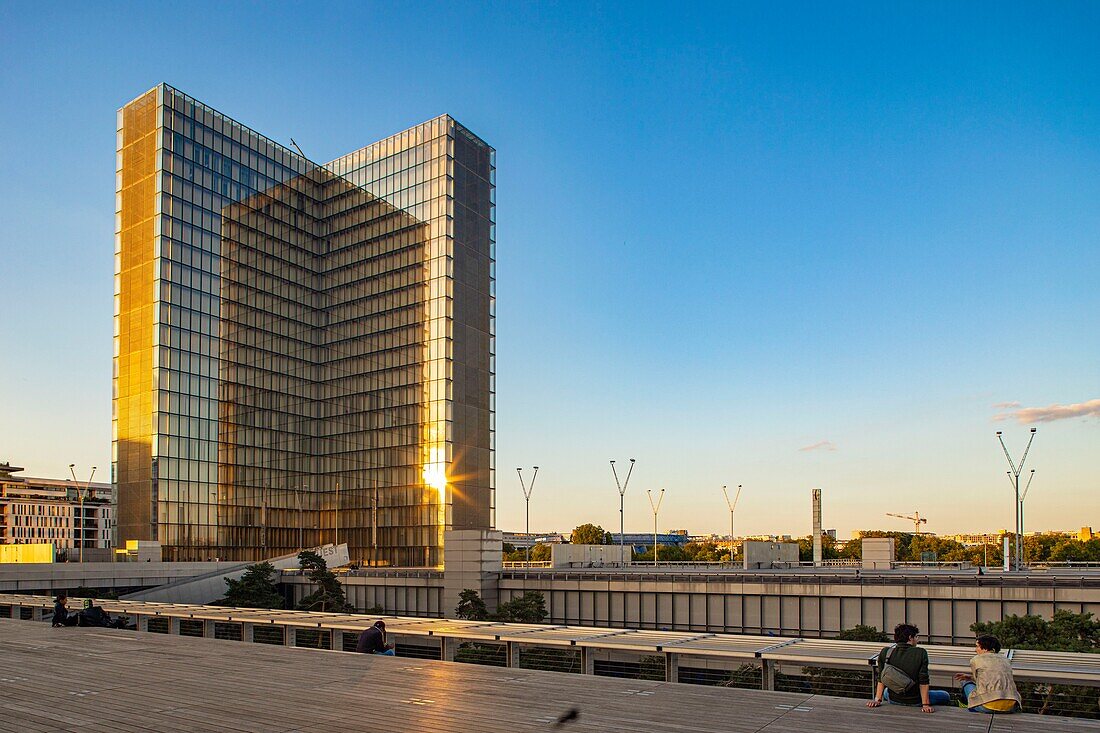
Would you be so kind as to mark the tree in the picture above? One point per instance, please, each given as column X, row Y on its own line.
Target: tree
column 1075, row 550
column 705, row 552
column 530, row 608
column 329, row 595
column 588, row 534
column 665, row 553
column 1066, row 632
column 471, row 607
column 828, row 548
column 255, row 589
column 852, row 550
column 863, row 632
column 540, row 553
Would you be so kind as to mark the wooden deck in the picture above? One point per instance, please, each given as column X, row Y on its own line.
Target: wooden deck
column 73, row 679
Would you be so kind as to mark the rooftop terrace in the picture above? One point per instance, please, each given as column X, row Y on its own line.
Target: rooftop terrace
column 74, row 679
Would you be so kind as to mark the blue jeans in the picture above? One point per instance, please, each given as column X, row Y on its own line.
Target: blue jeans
column 387, row 653
column 935, row 697
column 968, row 690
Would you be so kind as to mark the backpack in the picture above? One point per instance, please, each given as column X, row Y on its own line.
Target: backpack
column 895, row 679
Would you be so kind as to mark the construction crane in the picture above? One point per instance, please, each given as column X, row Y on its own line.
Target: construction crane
column 915, row 518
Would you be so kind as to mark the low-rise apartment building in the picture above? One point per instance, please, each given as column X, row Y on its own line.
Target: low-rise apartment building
column 71, row 516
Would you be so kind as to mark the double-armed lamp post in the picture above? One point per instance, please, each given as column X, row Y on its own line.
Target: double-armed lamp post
column 622, row 492
column 656, row 508
column 732, row 507
column 1014, row 476
column 81, row 495
column 527, row 500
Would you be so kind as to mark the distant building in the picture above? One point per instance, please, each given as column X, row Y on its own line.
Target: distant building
column 1085, row 534
column 41, row 510
column 522, row 540
column 641, row 541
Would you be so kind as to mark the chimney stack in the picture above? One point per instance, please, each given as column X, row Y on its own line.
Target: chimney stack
column 817, row 528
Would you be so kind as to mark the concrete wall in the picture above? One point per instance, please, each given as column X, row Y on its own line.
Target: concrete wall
column 878, row 553
column 766, row 555
column 943, row 607
column 587, row 556
column 472, row 559
column 397, row 592
column 47, row 577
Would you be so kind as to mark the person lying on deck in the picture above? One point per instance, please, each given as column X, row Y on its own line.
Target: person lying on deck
column 93, row 615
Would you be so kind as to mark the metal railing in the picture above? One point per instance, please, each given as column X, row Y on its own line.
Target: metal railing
column 1051, row 681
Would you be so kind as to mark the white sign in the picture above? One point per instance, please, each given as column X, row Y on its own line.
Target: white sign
column 334, row 555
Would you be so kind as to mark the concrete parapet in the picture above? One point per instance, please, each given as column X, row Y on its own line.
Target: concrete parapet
column 471, row 560
column 878, row 553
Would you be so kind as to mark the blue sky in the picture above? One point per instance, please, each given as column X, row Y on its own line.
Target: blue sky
column 725, row 235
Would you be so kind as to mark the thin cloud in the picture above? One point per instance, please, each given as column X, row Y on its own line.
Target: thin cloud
column 819, row 445
column 1006, row 405
column 1052, row 412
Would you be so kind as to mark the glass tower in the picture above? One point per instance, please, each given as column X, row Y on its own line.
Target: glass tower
column 303, row 352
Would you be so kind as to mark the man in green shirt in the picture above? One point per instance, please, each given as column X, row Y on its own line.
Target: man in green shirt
column 913, row 661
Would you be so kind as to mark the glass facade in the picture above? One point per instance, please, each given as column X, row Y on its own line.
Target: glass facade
column 304, row 353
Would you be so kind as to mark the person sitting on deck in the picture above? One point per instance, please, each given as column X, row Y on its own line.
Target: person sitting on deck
column 989, row 688
column 373, row 640
column 912, row 663
column 61, row 615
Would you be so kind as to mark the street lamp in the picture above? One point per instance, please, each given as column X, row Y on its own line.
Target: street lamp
column 622, row 493
column 527, row 500
column 81, row 494
column 732, row 505
column 301, row 531
column 1015, row 474
column 1023, row 498
column 656, row 508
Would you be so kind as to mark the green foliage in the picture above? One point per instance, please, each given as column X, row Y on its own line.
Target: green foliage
column 863, row 632
column 588, row 534
column 507, row 548
column 375, row 610
column 494, row 655
column 665, row 553
column 540, row 553
column 530, row 608
column 706, row 552
column 1066, row 632
column 747, row 676
column 550, row 660
column 651, row 667
column 1070, row 549
column 329, row 595
column 828, row 548
column 471, row 607
column 255, row 589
